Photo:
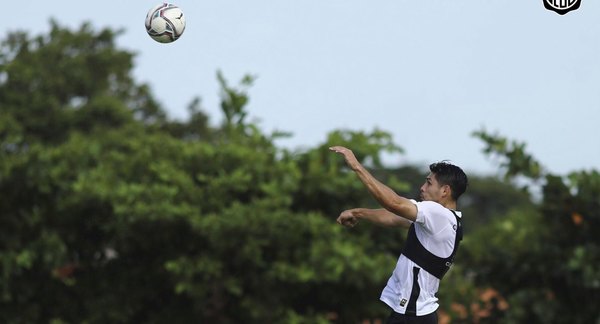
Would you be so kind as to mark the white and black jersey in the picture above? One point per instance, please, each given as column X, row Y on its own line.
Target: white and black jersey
column 411, row 289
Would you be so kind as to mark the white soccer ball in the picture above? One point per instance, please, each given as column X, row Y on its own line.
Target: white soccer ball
column 165, row 22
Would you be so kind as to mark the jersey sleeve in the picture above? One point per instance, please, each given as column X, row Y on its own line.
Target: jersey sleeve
column 431, row 216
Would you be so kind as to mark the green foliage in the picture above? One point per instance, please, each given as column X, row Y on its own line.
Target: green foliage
column 516, row 161
column 545, row 261
column 341, row 188
column 111, row 213
column 69, row 80
column 488, row 199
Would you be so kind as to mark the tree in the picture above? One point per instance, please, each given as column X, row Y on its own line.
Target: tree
column 543, row 260
column 112, row 213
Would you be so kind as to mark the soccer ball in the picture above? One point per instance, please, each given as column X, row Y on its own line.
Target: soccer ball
column 165, row 23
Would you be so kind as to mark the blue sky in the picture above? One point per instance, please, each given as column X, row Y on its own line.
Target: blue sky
column 430, row 71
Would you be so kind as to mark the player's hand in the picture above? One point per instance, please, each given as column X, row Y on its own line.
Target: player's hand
column 347, row 219
column 351, row 160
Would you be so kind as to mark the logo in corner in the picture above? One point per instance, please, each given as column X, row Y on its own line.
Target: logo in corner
column 562, row 7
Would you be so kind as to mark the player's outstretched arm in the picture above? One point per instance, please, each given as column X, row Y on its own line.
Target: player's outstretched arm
column 381, row 217
column 382, row 193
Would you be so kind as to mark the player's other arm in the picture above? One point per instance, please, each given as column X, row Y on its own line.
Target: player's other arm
column 386, row 197
column 381, row 217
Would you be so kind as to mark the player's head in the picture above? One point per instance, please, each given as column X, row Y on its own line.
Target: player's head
column 444, row 175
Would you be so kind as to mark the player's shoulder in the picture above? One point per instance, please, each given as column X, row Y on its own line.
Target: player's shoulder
column 432, row 206
column 432, row 210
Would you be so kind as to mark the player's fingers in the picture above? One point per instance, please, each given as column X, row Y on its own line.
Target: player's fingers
column 344, row 222
column 337, row 149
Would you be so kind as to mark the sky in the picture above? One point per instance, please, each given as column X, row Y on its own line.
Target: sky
column 429, row 72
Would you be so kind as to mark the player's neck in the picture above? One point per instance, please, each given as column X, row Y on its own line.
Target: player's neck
column 450, row 204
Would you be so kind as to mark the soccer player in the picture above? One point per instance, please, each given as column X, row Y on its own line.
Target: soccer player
column 433, row 237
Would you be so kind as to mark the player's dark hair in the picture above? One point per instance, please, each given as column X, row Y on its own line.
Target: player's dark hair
column 449, row 174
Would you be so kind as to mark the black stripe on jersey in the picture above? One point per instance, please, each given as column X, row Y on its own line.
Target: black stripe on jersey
column 411, row 308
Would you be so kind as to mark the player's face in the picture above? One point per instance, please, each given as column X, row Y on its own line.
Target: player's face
column 431, row 189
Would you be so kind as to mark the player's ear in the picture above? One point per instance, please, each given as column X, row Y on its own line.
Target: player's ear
column 446, row 191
